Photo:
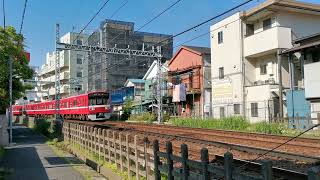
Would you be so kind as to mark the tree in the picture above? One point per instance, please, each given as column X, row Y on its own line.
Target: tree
column 11, row 45
column 127, row 107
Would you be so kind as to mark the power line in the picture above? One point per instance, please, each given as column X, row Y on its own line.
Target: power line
column 199, row 36
column 93, row 17
column 23, row 14
column 205, row 22
column 4, row 14
column 117, row 10
column 154, row 18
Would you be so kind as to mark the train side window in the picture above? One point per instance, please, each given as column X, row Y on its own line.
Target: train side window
column 75, row 103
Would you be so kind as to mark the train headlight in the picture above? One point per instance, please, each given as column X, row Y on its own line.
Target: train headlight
column 92, row 108
column 107, row 107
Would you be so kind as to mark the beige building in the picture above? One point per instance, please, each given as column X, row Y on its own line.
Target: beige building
column 246, row 72
column 73, row 70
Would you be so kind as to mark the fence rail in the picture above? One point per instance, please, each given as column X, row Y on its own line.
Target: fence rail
column 129, row 153
column 133, row 154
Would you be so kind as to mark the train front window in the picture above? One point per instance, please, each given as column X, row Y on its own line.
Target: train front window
column 98, row 99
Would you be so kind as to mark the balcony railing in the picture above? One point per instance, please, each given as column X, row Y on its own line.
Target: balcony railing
column 268, row 40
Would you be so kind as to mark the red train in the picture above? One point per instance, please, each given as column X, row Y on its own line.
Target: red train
column 91, row 106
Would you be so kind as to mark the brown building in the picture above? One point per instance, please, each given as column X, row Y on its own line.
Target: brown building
column 191, row 66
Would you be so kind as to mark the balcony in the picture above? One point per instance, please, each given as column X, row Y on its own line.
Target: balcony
column 64, row 75
column 63, row 90
column 267, row 41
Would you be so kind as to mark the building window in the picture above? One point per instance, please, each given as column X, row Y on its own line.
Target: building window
column 79, row 59
column 263, row 69
column 254, row 109
column 222, row 114
column 79, row 74
column 220, row 37
column 97, row 68
column 221, row 72
column 79, row 42
column 236, row 108
column 267, row 24
column 249, row 29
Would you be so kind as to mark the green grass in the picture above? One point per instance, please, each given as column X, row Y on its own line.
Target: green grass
column 235, row 123
column 93, row 156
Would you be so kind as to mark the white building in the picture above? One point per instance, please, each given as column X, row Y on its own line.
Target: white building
column 246, row 67
column 73, row 69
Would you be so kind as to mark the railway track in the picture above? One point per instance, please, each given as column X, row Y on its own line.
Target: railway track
column 302, row 149
column 245, row 146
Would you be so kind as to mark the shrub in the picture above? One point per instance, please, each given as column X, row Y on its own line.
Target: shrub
column 42, row 126
column 144, row 117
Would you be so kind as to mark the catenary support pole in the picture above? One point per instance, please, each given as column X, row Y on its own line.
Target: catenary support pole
column 159, row 89
column 57, row 76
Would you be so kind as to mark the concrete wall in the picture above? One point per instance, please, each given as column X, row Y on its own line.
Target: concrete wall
column 301, row 24
column 229, row 56
column 4, row 136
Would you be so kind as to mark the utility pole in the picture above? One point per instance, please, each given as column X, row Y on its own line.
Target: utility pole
column 280, row 84
column 10, row 99
column 57, row 75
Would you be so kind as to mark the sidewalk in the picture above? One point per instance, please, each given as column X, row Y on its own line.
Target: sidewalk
column 32, row 158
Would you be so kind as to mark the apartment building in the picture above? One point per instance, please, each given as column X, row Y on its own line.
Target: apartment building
column 110, row 71
column 249, row 77
column 73, row 69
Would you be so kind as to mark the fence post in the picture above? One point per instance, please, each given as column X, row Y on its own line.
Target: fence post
column 267, row 170
column 228, row 160
column 104, row 144
column 169, row 160
column 145, row 143
column 185, row 156
column 109, row 148
column 120, row 152
column 156, row 160
column 205, row 162
column 69, row 135
column 136, row 152
column 99, row 143
column 313, row 174
column 114, row 147
column 128, row 156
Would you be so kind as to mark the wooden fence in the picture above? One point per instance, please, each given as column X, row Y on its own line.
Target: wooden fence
column 134, row 155
column 129, row 153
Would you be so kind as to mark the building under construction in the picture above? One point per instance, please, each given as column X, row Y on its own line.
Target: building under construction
column 110, row 71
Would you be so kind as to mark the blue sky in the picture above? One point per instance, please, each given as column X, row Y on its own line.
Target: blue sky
column 41, row 16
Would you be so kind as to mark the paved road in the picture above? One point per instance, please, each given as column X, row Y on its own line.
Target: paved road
column 31, row 159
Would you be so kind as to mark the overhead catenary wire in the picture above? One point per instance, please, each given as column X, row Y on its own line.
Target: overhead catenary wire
column 93, row 17
column 189, row 29
column 23, row 14
column 125, row 2
column 276, row 147
column 152, row 19
column 204, row 22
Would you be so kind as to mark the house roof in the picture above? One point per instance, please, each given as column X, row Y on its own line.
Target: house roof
column 269, row 6
column 154, row 63
column 195, row 49
column 306, row 38
column 136, row 81
column 202, row 50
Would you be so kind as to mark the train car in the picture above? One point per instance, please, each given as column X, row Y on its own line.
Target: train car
column 92, row 106
column 17, row 110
